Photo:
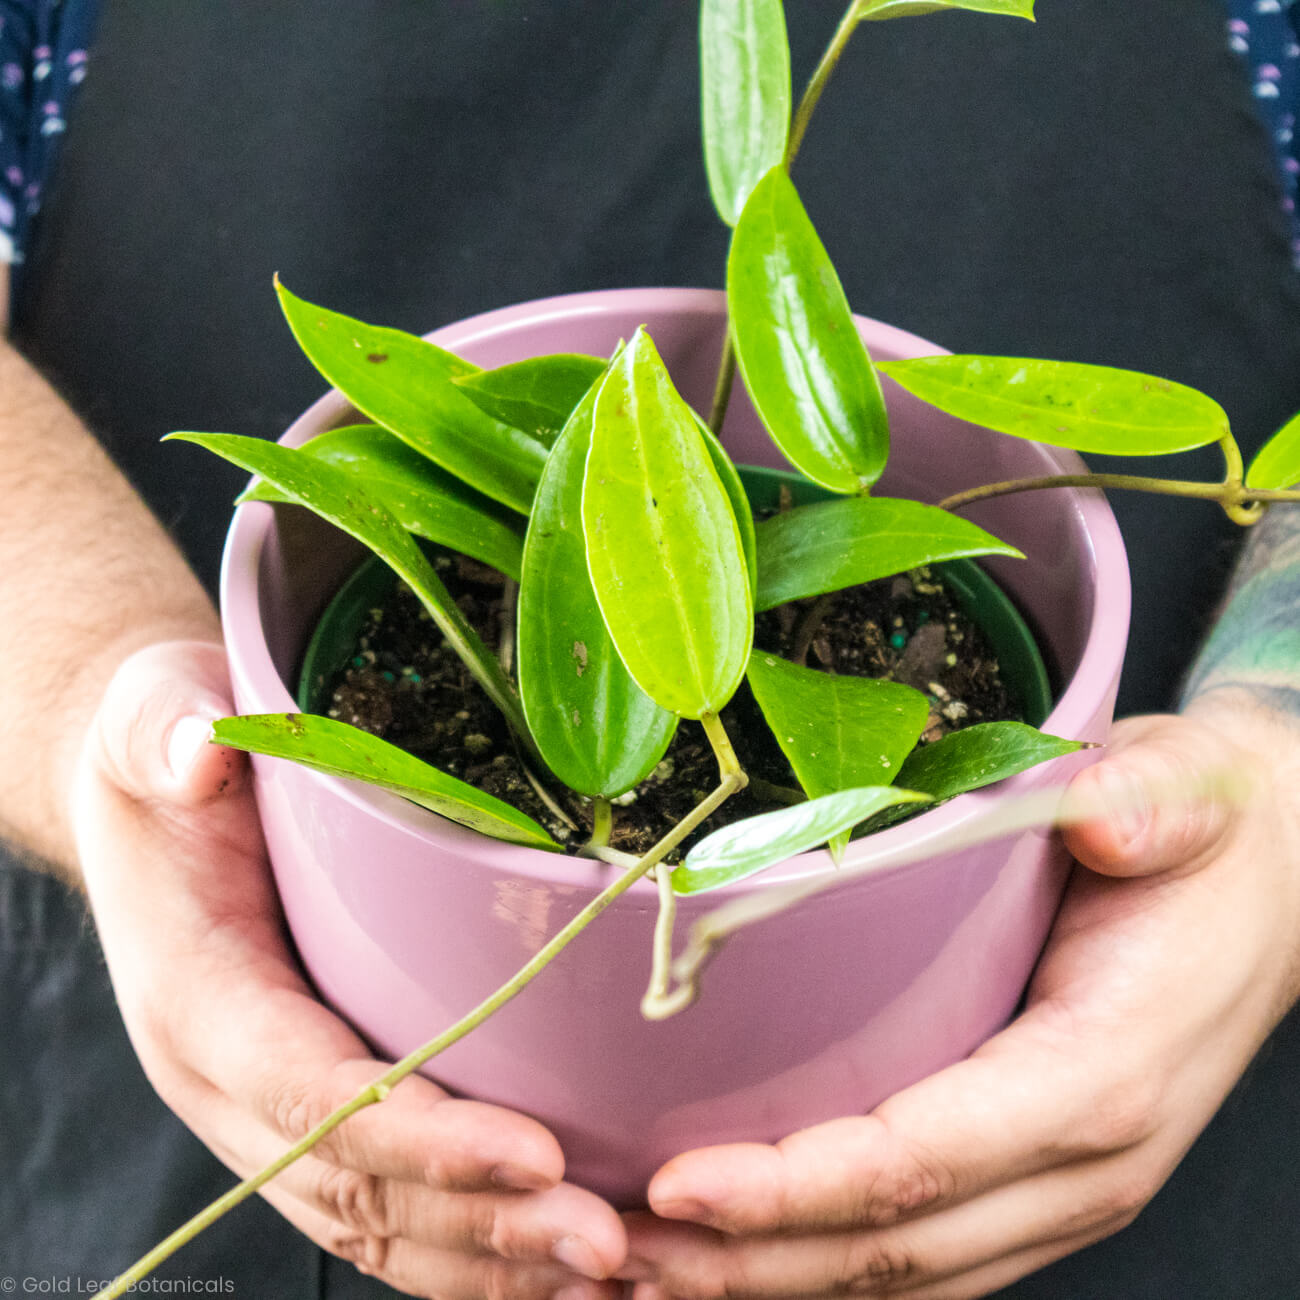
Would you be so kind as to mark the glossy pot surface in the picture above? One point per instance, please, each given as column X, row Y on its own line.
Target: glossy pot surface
column 406, row 921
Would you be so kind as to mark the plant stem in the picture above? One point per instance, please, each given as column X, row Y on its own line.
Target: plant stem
column 808, row 629
column 1234, row 504
column 728, row 763
column 766, row 790
column 661, row 969
column 506, row 639
column 382, row 1086
column 723, row 385
column 1231, row 497
column 817, row 83
column 602, row 822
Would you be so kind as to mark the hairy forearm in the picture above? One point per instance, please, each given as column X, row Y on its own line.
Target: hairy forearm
column 1254, row 648
column 88, row 577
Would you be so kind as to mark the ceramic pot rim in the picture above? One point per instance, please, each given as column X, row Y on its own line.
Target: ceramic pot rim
column 252, row 665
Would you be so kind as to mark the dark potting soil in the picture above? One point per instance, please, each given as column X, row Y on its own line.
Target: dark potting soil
column 405, row 685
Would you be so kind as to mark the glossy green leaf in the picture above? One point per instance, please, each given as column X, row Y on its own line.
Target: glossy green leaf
column 597, row 730
column 744, row 847
column 1277, row 464
column 405, row 384
column 836, row 544
column 745, row 96
column 337, row 496
column 537, row 395
column 424, row 499
column 978, row 756
column 838, row 732
column 872, row 10
column 663, row 546
column 341, row 750
column 803, row 361
column 1066, row 403
column 739, row 498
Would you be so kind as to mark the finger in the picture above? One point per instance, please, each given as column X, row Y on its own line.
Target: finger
column 427, row 1271
column 1147, row 827
column 1018, row 1107
column 151, row 732
column 566, row 1225
column 1080, row 1203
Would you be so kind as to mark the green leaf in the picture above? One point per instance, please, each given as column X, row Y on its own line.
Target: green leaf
column 836, row 544
column 978, row 756
column 1277, row 463
column 537, row 395
column 745, row 96
column 336, row 496
column 872, row 10
column 1066, row 403
column 405, row 384
column 424, row 499
column 838, row 732
column 802, row 358
column 340, row 750
column 663, row 546
column 739, row 498
column 744, row 847
column 596, row 729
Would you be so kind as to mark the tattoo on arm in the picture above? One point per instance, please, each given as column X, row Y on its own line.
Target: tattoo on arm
column 1255, row 644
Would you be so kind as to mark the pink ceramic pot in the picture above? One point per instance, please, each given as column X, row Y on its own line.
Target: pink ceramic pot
column 405, row 921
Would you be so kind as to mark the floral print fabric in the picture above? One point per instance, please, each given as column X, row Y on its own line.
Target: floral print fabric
column 43, row 46
column 1266, row 33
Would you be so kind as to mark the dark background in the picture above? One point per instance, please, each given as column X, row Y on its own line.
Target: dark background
column 1094, row 186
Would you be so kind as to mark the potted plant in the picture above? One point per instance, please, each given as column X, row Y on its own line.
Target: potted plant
column 640, row 570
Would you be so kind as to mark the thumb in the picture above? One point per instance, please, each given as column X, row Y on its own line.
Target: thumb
column 150, row 736
column 1155, row 819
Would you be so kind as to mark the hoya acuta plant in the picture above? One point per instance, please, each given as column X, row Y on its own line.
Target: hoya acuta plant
column 591, row 484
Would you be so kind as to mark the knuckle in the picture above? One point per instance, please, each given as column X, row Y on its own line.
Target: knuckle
column 1122, row 1200
column 875, row 1264
column 364, row 1251
column 499, row 1281
column 358, row 1200
column 295, row 1106
column 921, row 1183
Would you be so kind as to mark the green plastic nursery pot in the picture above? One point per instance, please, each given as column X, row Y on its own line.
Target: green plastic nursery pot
column 975, row 593
column 405, row 921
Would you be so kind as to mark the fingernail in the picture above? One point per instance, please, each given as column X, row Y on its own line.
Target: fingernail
column 1125, row 803
column 519, row 1179
column 576, row 1254
column 189, row 736
column 684, row 1208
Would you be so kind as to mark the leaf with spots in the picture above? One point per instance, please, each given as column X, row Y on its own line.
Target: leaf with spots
column 536, row 395
column 1066, row 403
column 830, row 545
column 424, row 499
column 339, row 498
column 406, row 384
column 837, row 732
column 752, row 845
column 664, row 549
column 979, row 755
column 596, row 728
column 800, row 353
column 338, row 749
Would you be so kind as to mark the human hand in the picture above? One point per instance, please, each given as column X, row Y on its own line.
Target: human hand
column 1169, row 963
column 434, row 1195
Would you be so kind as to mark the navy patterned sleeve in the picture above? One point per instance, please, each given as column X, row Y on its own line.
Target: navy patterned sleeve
column 1266, row 33
column 43, row 46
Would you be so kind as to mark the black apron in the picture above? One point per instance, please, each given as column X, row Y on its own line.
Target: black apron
column 1093, row 187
